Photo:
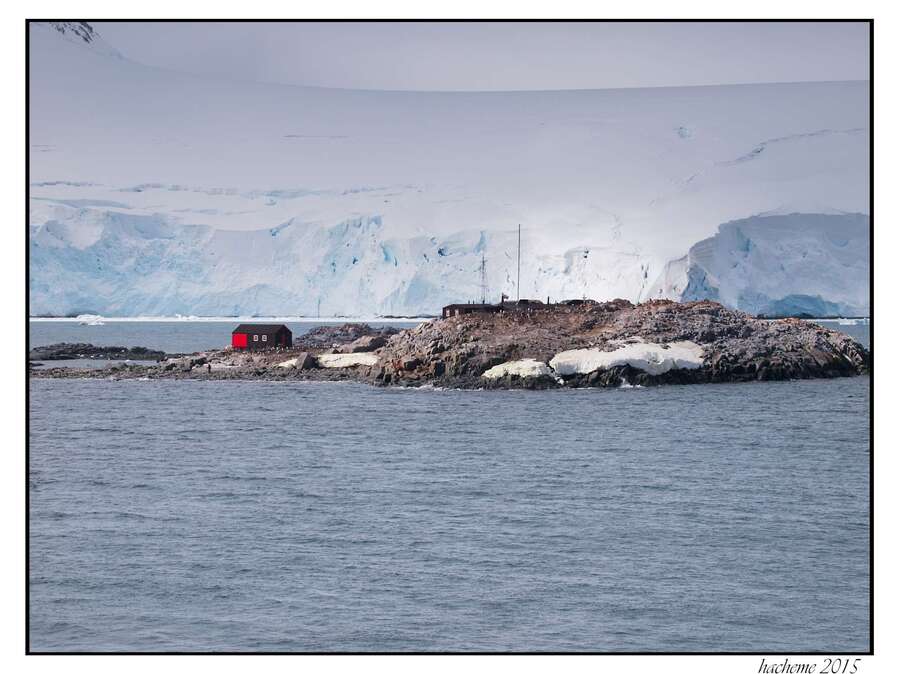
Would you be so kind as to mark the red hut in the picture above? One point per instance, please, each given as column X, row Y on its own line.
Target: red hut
column 261, row 336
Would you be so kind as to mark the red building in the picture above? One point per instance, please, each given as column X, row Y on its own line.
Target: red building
column 255, row 336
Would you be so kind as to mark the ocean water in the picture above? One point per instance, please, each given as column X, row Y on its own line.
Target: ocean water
column 243, row 516
column 294, row 516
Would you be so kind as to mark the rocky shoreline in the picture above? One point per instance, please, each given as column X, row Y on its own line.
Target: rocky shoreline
column 591, row 345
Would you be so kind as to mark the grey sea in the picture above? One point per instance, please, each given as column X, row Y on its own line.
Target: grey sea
column 253, row 516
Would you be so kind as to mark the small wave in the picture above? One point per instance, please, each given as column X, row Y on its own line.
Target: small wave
column 124, row 515
column 424, row 387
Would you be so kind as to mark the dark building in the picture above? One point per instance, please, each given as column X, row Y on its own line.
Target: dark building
column 522, row 304
column 478, row 308
column 512, row 305
column 255, row 336
column 459, row 309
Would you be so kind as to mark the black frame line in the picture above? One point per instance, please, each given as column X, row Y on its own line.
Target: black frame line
column 870, row 651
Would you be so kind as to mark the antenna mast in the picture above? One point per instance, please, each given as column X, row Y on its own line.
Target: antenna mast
column 518, row 282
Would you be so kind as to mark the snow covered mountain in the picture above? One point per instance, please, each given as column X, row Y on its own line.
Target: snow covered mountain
column 82, row 32
column 159, row 192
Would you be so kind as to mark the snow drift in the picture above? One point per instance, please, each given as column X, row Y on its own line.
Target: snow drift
column 527, row 367
column 654, row 359
column 346, row 359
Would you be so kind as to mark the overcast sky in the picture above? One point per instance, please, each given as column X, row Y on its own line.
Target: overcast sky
column 501, row 56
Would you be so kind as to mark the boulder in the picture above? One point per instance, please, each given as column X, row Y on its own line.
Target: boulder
column 410, row 363
column 302, row 361
column 306, row 361
column 365, row 344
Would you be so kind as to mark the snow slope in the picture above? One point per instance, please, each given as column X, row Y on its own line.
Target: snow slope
column 159, row 192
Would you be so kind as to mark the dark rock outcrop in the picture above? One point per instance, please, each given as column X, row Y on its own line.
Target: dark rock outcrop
column 337, row 336
column 65, row 351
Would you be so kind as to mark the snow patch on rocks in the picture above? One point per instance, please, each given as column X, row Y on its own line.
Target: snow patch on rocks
column 527, row 367
column 346, row 359
column 654, row 359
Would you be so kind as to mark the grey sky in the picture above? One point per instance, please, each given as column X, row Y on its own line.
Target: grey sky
column 501, row 56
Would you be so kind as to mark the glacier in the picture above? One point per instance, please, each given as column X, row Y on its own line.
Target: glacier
column 778, row 265
column 156, row 192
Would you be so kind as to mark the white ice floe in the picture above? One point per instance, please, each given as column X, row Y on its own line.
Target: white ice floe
column 288, row 363
column 527, row 367
column 651, row 358
column 90, row 319
column 346, row 359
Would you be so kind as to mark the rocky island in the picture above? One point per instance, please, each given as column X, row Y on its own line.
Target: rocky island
column 588, row 345
column 66, row 351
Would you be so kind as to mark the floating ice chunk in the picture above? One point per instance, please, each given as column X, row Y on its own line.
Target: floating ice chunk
column 90, row 319
column 527, row 367
column 346, row 359
column 288, row 363
column 651, row 358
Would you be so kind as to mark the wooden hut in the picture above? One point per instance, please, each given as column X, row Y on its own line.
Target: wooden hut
column 256, row 336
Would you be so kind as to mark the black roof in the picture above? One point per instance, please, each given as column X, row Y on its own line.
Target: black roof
column 260, row 328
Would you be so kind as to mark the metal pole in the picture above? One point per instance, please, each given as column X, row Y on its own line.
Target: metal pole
column 483, row 279
column 518, row 283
